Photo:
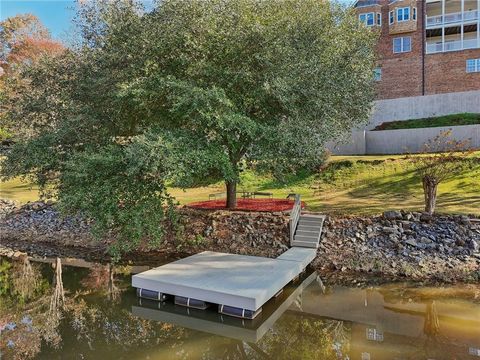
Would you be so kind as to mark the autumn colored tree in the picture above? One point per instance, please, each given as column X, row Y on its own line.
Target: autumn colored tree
column 441, row 158
column 24, row 39
column 24, row 42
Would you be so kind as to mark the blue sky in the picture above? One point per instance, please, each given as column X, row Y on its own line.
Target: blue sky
column 56, row 15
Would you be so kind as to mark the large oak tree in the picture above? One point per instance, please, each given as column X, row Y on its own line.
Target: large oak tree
column 189, row 92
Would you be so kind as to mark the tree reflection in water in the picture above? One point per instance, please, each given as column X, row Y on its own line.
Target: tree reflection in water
column 57, row 305
column 296, row 336
column 23, row 309
column 102, row 278
column 36, row 319
column 432, row 325
column 25, row 279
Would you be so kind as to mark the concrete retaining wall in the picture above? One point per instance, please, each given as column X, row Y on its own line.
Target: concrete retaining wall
column 401, row 141
column 363, row 141
column 424, row 106
column 413, row 140
column 355, row 144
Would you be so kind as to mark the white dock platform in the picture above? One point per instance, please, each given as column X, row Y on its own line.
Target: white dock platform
column 240, row 284
column 240, row 281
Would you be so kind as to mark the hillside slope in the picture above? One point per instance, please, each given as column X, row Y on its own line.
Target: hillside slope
column 347, row 185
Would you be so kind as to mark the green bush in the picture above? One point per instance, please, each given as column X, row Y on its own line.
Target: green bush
column 4, row 134
column 439, row 121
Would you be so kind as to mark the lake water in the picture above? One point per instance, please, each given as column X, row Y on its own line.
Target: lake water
column 79, row 310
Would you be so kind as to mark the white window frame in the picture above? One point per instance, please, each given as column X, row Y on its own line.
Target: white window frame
column 414, row 13
column 365, row 356
column 365, row 22
column 472, row 69
column 373, row 334
column 378, row 19
column 391, row 17
column 402, row 9
column 402, row 45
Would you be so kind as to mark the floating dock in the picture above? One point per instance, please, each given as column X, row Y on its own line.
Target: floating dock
column 218, row 324
column 238, row 284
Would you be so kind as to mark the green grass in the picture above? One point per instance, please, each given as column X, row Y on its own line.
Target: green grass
column 18, row 190
column 348, row 185
column 447, row 120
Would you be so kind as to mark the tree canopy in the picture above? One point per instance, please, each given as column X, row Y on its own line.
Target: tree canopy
column 24, row 41
column 189, row 92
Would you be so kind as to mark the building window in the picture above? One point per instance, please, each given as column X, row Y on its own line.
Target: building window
column 414, row 13
column 473, row 65
column 374, row 334
column 473, row 351
column 402, row 44
column 403, row 14
column 379, row 19
column 391, row 17
column 377, row 74
column 367, row 18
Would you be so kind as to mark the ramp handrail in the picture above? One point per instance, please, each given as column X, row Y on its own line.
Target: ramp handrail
column 295, row 216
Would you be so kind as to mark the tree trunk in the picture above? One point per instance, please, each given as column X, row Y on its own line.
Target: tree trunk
column 231, row 194
column 430, row 193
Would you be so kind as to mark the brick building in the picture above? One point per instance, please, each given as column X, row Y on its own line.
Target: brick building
column 425, row 46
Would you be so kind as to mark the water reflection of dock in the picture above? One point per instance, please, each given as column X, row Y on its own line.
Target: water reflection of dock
column 218, row 324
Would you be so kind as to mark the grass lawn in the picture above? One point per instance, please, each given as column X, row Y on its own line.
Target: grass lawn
column 18, row 190
column 439, row 121
column 348, row 185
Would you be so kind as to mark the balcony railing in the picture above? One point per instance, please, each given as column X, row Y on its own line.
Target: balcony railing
column 452, row 18
column 452, row 46
column 470, row 43
column 434, row 48
column 470, row 15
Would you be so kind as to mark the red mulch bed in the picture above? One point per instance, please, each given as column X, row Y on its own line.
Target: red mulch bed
column 247, row 204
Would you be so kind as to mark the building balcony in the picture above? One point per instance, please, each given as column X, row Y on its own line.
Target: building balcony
column 439, row 20
column 437, row 47
column 365, row 3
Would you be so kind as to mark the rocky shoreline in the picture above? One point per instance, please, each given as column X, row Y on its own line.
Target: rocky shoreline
column 397, row 245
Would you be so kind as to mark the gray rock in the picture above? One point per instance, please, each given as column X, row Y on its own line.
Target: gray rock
column 393, row 215
column 426, row 217
column 412, row 242
column 389, row 230
column 474, row 245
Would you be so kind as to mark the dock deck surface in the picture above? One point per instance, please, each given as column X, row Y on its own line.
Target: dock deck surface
column 235, row 280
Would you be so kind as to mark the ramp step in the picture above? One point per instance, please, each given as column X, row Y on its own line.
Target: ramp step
column 306, row 238
column 315, row 219
column 310, row 222
column 306, row 244
column 301, row 232
column 309, row 227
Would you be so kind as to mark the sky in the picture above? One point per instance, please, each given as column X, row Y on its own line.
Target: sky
column 56, row 15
